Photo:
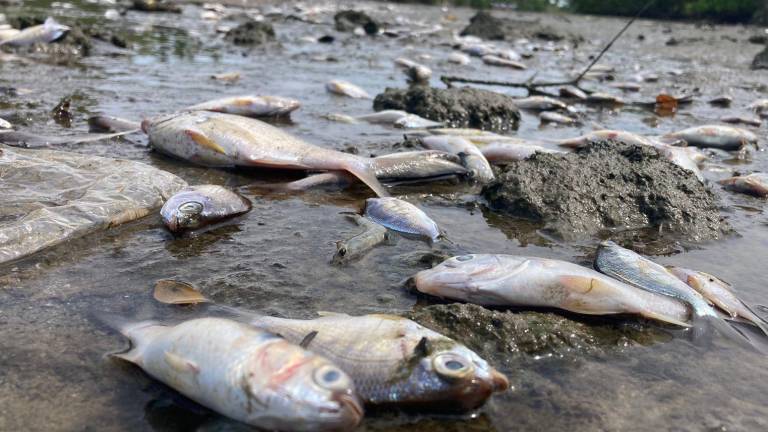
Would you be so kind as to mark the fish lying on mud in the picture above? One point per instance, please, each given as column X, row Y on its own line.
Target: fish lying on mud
column 250, row 106
column 225, row 140
column 760, row 107
column 109, row 124
column 540, row 103
column 246, row 374
column 198, row 206
column 414, row 71
column 604, row 98
column 714, row 136
column 5, row 124
column 553, row 117
column 47, row 32
column 753, row 184
column 412, row 121
column 572, row 92
column 458, row 58
column 510, row 280
column 720, row 293
column 471, row 156
column 343, row 88
column 402, row 217
column 494, row 60
column 505, row 152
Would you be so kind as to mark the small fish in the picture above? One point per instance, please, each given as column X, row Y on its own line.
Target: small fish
column 626, row 86
column 197, row 206
column 227, row 77
column 344, row 88
column 414, row 71
column 412, row 121
column 505, row 152
column 720, row 293
column 510, row 280
column 44, row 33
column 459, row 58
column 109, row 124
column 553, row 117
column 540, row 103
column 494, row 60
column 401, row 216
column 714, row 136
column 225, row 140
column 509, row 54
column 5, row 124
column 753, row 184
column 604, row 98
column 250, row 106
column 471, row 156
column 478, row 50
column 6, row 32
column 247, row 374
column 603, row 135
column 721, row 101
column 751, row 121
column 573, row 92
column 357, row 246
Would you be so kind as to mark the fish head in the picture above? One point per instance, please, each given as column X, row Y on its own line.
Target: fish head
column 184, row 211
column 294, row 383
column 273, row 105
column 464, row 277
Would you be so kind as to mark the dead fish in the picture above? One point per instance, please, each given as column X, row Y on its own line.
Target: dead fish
column 752, row 121
column 402, row 217
column 412, row 121
column 251, row 106
column 197, row 206
column 357, row 246
column 472, row 158
column 753, row 184
column 478, row 50
column 720, row 293
column 459, row 58
column 721, row 101
column 604, row 98
column 603, row 135
column 385, row 116
column 246, row 374
column 553, row 117
column 225, row 140
column 505, row 152
column 27, row 140
column 573, row 92
column 540, row 103
column 509, row 54
column 494, row 60
column 344, row 88
column 759, row 106
column 414, row 71
column 714, row 136
column 227, row 77
column 394, row 360
column 680, row 156
column 626, row 86
column 47, row 32
column 5, row 124
column 510, row 280
column 109, row 124
column 6, row 32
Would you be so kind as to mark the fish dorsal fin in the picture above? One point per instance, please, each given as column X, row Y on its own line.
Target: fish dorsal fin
column 180, row 364
column 330, row 314
column 308, row 339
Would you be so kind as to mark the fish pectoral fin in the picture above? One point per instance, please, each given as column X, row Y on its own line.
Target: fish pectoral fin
column 203, row 141
column 583, row 284
column 180, row 364
column 365, row 173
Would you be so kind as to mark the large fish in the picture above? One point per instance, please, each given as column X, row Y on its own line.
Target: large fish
column 246, row 374
column 47, row 32
column 753, row 184
column 471, row 156
column 393, row 360
column 401, row 216
column 715, row 136
column 251, row 106
column 510, row 280
column 197, row 206
column 225, row 140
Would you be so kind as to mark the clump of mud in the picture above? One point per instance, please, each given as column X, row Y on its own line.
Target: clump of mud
column 499, row 334
column 488, row 27
column 607, row 185
column 155, row 6
column 251, row 33
column 456, row 107
column 349, row 20
column 485, row 26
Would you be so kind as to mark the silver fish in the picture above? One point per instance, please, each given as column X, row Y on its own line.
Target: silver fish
column 505, row 152
column 604, row 98
column 47, row 32
column 246, row 374
column 759, row 106
column 225, row 140
column 414, row 71
column 401, row 216
column 459, row 58
column 753, row 184
column 751, row 121
column 110, row 124
column 603, row 135
column 5, row 124
column 540, row 103
column 6, row 32
column 510, row 280
column 471, row 156
column 494, row 60
column 385, row 116
column 251, row 106
column 227, row 77
column 553, row 117
column 478, row 50
column 27, row 140
column 573, row 92
column 715, row 136
column 680, row 156
column 412, row 121
column 343, row 88
column 394, row 360
column 197, row 206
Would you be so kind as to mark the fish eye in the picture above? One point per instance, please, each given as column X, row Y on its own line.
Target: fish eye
column 191, row 207
column 452, row 366
column 464, row 258
column 331, row 378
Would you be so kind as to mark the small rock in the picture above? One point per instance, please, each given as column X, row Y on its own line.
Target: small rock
column 760, row 39
column 251, row 33
column 486, row 26
column 349, row 20
column 761, row 59
column 155, row 6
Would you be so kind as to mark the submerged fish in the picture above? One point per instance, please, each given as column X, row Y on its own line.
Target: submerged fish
column 246, row 374
column 720, row 293
column 394, row 360
column 510, row 280
column 504, row 152
column 401, row 216
column 603, row 135
column 109, row 124
column 753, row 184
column 471, row 156
column 540, row 103
column 47, row 32
column 494, row 60
column 197, row 206
column 715, row 136
column 344, row 88
column 225, row 140
column 251, row 106
column 373, row 235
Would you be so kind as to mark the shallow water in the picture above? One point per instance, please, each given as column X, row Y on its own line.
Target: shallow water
column 276, row 259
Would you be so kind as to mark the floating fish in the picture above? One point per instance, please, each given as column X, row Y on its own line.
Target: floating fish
column 44, row 33
column 540, row 103
column 414, row 71
column 494, row 60
column 753, row 184
column 110, row 124
column 197, row 206
column 225, row 140
column 471, row 156
column 720, row 293
column 751, row 121
column 510, row 280
column 715, row 136
column 251, row 106
column 505, row 152
column 553, row 117
column 603, row 135
column 401, row 216
column 458, row 58
column 344, row 88
column 246, row 374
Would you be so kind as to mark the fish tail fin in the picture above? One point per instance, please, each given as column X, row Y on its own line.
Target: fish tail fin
column 706, row 324
column 135, row 331
column 362, row 169
column 756, row 319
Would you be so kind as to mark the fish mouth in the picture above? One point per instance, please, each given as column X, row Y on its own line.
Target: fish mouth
column 432, row 281
column 499, row 381
column 350, row 410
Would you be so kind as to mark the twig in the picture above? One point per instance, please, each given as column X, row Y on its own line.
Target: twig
column 533, row 86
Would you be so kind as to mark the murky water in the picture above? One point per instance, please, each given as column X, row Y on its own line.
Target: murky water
column 53, row 374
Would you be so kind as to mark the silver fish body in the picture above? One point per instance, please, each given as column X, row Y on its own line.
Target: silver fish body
column 5, row 124
column 197, row 206
column 753, row 184
column 394, row 360
column 573, row 92
column 343, row 88
column 246, row 374
column 471, row 156
column 603, row 135
column 715, row 136
column 494, row 60
column 504, row 152
column 414, row 71
column 401, row 216
column 459, row 58
column 384, row 117
column 540, row 103
column 110, row 124
column 604, row 98
column 251, row 106
column 553, row 117
column 412, row 121
column 510, row 280
column 44, row 33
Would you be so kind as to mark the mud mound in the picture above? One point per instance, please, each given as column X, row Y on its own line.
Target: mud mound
column 488, row 27
column 608, row 185
column 251, row 33
column 761, row 59
column 349, row 20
